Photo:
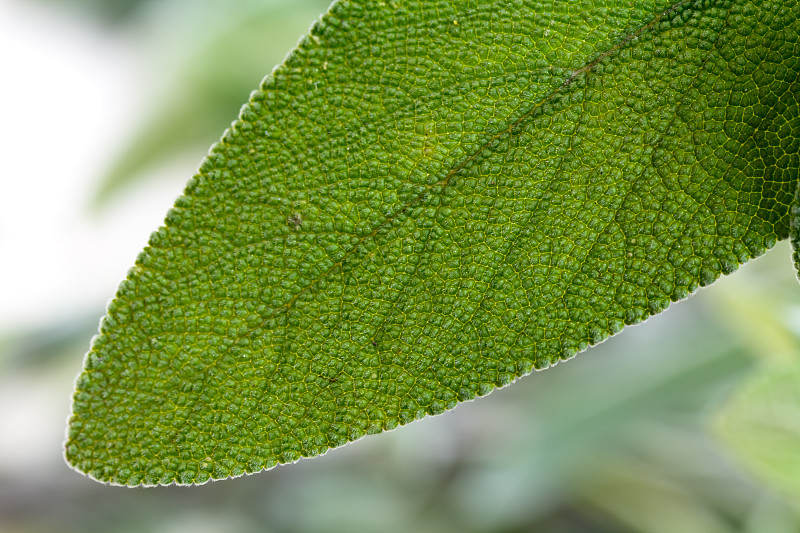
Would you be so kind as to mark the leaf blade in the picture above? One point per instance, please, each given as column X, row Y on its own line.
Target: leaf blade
column 440, row 224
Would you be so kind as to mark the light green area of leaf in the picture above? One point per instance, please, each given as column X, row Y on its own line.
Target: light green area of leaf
column 428, row 200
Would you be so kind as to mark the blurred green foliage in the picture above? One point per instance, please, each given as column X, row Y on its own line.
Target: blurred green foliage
column 203, row 94
column 762, row 424
column 109, row 11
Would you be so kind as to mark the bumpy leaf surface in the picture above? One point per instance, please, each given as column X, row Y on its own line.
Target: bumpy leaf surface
column 429, row 199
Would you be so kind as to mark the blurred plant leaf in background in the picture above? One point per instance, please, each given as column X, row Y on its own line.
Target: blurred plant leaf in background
column 761, row 425
column 760, row 421
column 226, row 54
column 53, row 344
column 112, row 11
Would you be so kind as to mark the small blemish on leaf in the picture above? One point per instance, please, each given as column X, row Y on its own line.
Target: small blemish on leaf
column 295, row 220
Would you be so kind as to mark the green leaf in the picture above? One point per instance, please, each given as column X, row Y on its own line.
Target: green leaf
column 794, row 230
column 428, row 200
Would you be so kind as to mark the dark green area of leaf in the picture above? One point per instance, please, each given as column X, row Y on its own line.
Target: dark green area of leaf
column 428, row 200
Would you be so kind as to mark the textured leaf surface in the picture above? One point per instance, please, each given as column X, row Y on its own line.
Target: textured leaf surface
column 428, row 200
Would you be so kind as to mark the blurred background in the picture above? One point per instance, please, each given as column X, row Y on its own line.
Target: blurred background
column 688, row 423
